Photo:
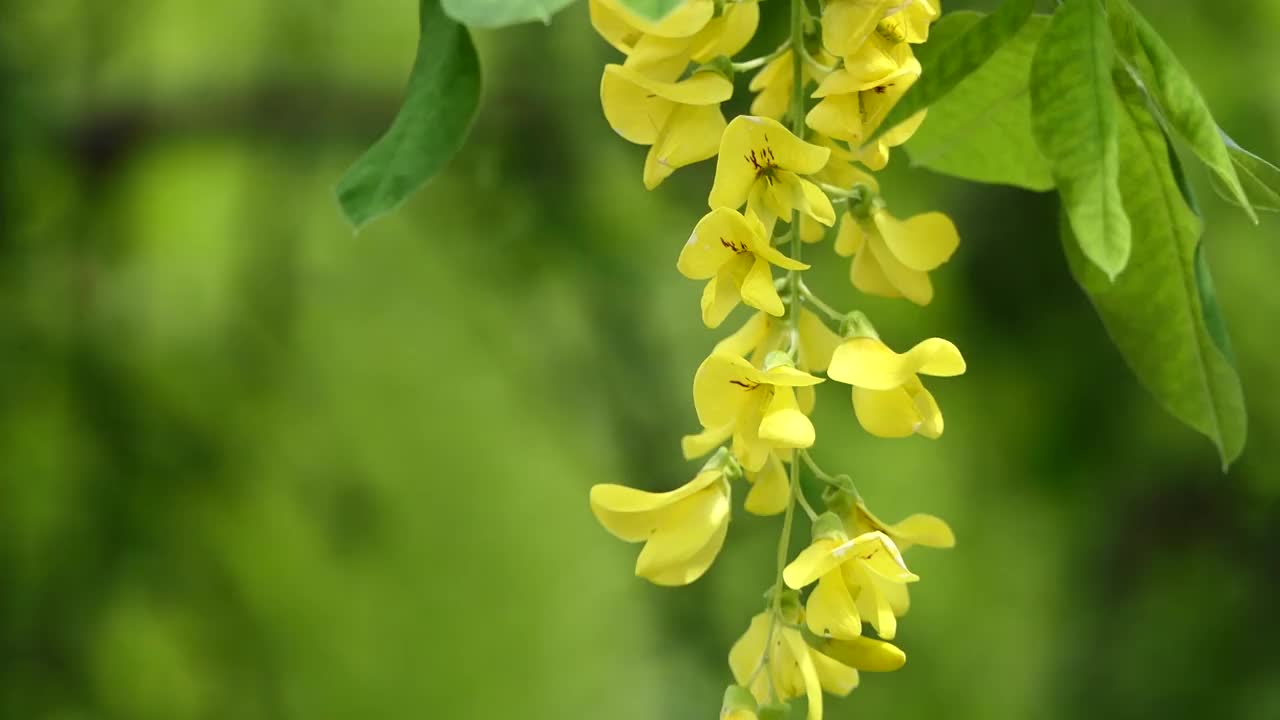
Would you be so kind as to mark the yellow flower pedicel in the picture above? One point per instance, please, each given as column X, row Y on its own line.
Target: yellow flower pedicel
column 794, row 167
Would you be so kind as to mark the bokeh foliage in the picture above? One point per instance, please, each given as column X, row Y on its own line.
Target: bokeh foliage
column 253, row 467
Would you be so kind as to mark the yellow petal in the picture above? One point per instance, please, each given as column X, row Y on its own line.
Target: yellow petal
column 835, row 677
column 875, row 156
column 675, row 551
column 886, row 413
column 876, row 61
column 866, row 654
column 817, row 342
column 876, row 552
column 921, row 243
column 913, row 284
column 773, row 83
column 816, row 204
column 809, row 674
column 806, row 399
column 687, row 19
column 752, row 451
column 691, row 134
column 660, row 58
column 753, row 144
column 812, row 563
column 830, row 610
column 633, row 515
column 874, row 606
column 847, row 23
column 783, row 424
column 770, row 488
column 746, row 655
column 921, row 529
column 926, row 408
column 868, row 363
column 697, row 445
column 758, row 290
column 787, row 376
column 721, row 388
column 697, row 565
column 612, row 26
column 866, row 275
column 746, row 338
column 728, row 34
column 719, row 237
column 850, row 238
column 633, row 111
column 838, row 116
column 720, row 297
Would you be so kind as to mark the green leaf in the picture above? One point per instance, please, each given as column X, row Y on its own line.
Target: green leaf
column 444, row 91
column 1161, row 312
column 1073, row 118
column 982, row 130
column 1181, row 104
column 1259, row 178
column 500, row 13
column 652, row 9
column 956, row 60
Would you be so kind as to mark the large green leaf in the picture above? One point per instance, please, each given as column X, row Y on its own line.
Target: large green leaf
column 1179, row 100
column 1161, row 311
column 652, row 9
column 957, row 59
column 1073, row 118
column 444, row 91
column 982, row 130
column 499, row 13
column 1259, row 178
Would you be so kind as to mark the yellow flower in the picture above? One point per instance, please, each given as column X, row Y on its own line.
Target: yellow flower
column 734, row 254
column 681, row 120
column 683, row 530
column 691, row 33
column 888, row 397
column 773, row 83
column 911, row 24
column 864, row 653
column 795, row 669
column 854, row 101
column 918, row 529
column 760, row 164
column 892, row 258
column 760, row 405
column 847, row 24
column 770, row 487
column 763, row 334
column 865, row 577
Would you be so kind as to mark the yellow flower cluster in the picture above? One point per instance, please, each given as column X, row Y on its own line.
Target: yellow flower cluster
column 778, row 186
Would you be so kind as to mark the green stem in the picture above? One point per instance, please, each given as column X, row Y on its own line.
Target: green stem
column 793, row 322
column 752, row 64
column 818, row 303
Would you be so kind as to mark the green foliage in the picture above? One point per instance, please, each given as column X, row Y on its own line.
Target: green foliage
column 956, row 60
column 1182, row 106
column 500, row 13
column 1259, row 178
column 982, row 130
column 1074, row 120
column 1161, row 312
column 444, row 91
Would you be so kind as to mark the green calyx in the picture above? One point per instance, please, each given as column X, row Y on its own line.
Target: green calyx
column 856, row 324
column 719, row 64
column 725, row 462
column 829, row 526
column 778, row 358
column 737, row 698
column 840, row 499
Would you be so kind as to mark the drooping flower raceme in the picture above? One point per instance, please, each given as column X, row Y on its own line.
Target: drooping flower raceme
column 784, row 174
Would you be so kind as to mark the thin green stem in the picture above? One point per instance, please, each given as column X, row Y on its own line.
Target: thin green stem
column 798, row 12
column 804, row 503
column 752, row 64
column 818, row 303
column 825, row 476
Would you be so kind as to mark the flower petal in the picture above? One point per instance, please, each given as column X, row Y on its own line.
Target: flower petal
column 926, row 407
column 847, row 23
column 691, row 135
column 699, row 444
column 808, row 673
column 867, row 362
column 837, row 116
column 674, row 554
column 746, row 655
column 752, row 452
column 830, row 610
column 768, row 142
column 783, row 424
column 922, row 242
column 913, row 284
column 850, row 238
column 758, row 290
column 812, row 563
column 720, row 297
column 866, row 275
column 770, row 488
column 632, row 515
column 728, row 34
column 866, row 654
column 816, row 204
column 886, row 413
column 719, row 237
column 787, row 376
column 836, row 678
column 817, row 342
column 721, row 388
column 922, row 529
column 632, row 110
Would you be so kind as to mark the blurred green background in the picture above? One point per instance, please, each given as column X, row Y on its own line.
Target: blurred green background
column 254, row 467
